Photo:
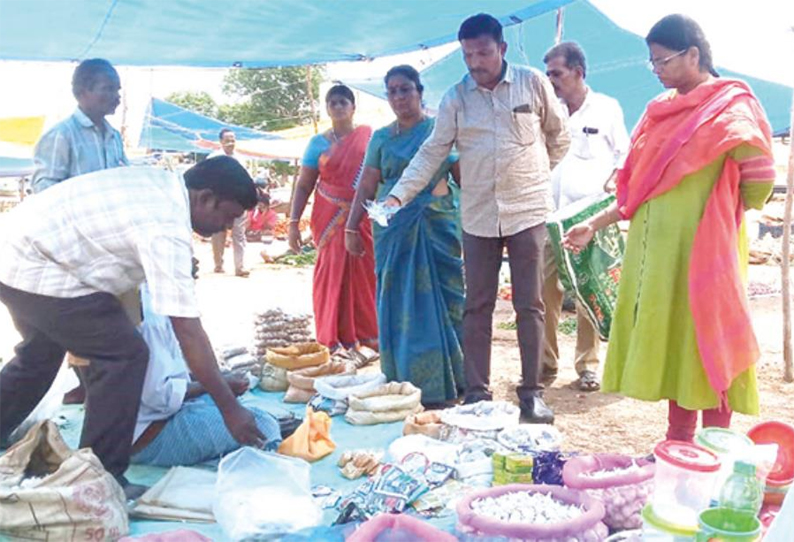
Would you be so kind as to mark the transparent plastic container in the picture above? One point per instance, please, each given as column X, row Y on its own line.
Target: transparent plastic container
column 683, row 482
column 742, row 491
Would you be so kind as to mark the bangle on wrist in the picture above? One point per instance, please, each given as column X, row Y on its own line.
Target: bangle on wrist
column 348, row 230
column 294, row 220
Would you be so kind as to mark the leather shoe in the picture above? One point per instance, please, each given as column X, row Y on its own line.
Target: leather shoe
column 534, row 410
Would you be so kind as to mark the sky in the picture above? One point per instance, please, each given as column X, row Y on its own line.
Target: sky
column 756, row 41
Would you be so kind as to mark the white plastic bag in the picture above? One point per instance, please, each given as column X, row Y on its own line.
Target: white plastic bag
column 260, row 494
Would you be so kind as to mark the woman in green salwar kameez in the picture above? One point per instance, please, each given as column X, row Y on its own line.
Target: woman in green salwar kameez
column 699, row 157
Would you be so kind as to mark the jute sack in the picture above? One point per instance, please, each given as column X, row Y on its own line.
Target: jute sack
column 298, row 356
column 388, row 403
column 301, row 382
column 68, row 497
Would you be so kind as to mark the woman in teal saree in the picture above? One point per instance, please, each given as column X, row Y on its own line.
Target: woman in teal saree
column 418, row 263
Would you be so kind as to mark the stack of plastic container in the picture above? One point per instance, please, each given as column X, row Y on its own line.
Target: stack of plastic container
column 683, row 486
column 736, row 517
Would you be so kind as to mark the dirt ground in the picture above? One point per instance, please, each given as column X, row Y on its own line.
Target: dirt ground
column 590, row 421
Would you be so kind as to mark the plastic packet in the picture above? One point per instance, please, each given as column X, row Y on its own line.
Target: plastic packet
column 379, row 213
column 261, row 494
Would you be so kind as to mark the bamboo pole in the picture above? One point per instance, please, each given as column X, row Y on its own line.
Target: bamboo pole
column 788, row 359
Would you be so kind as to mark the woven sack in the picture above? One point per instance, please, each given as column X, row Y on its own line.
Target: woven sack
column 368, row 417
column 301, row 382
column 74, row 497
column 391, row 396
column 298, row 356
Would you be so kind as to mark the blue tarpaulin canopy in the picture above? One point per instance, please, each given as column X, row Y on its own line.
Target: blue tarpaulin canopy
column 172, row 128
column 16, row 167
column 616, row 64
column 247, row 33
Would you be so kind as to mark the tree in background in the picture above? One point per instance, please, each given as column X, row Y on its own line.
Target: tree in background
column 200, row 102
column 270, row 99
column 264, row 99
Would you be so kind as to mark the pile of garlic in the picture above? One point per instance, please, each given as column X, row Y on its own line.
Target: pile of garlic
column 276, row 328
column 603, row 474
column 526, row 507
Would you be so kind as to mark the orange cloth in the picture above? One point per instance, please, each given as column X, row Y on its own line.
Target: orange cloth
column 677, row 136
column 312, row 440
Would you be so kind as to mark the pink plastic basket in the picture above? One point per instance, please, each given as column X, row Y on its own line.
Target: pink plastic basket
column 623, row 495
column 586, row 528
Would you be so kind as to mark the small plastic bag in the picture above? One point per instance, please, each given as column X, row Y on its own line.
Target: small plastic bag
column 262, row 494
column 379, row 212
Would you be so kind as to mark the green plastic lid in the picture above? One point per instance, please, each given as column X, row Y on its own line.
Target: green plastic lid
column 650, row 517
column 722, row 441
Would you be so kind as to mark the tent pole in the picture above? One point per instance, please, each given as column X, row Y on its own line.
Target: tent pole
column 788, row 359
column 558, row 35
column 310, row 92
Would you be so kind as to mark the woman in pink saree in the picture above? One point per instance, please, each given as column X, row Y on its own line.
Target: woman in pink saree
column 344, row 286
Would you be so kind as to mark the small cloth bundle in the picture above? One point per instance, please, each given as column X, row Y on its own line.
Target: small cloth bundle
column 312, row 439
column 273, row 378
column 424, row 423
column 301, row 382
column 388, row 403
column 298, row 356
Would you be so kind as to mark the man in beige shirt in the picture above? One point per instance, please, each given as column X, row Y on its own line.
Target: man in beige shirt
column 510, row 131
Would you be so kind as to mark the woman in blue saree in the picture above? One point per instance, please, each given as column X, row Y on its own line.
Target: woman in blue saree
column 418, row 261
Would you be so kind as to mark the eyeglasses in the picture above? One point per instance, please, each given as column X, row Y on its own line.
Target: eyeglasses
column 656, row 63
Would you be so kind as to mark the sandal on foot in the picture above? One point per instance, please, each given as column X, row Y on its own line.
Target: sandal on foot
column 588, row 381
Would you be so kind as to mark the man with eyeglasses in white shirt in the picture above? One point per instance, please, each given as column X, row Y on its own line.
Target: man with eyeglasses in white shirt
column 599, row 143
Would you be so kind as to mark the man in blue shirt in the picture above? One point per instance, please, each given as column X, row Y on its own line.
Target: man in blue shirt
column 84, row 142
